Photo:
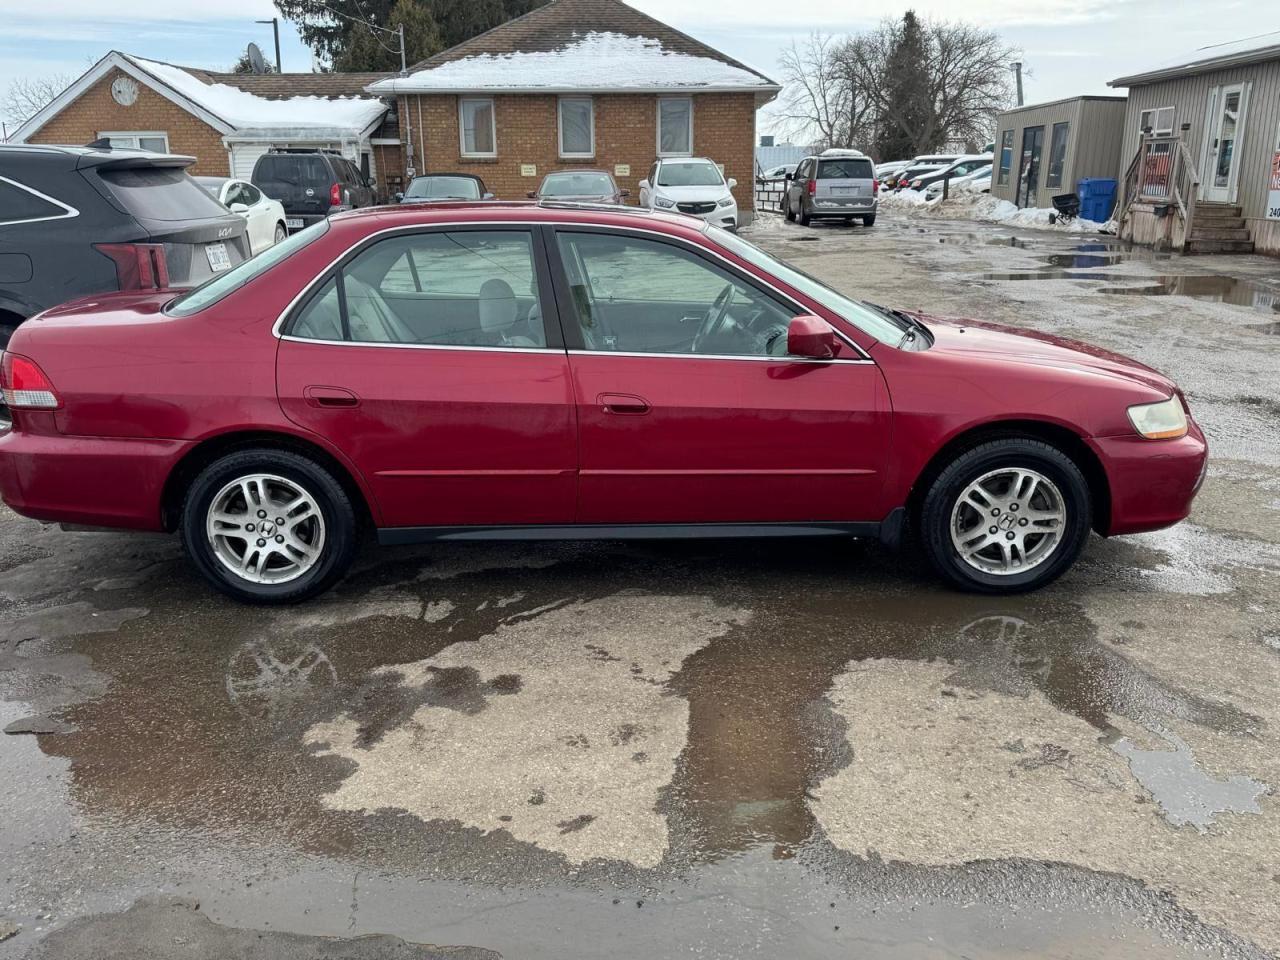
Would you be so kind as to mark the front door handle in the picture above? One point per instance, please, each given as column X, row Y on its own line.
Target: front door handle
column 330, row 397
column 625, row 404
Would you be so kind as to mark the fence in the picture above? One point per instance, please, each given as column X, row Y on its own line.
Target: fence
column 770, row 194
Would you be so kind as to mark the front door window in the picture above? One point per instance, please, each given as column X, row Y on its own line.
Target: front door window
column 1228, row 126
column 1029, row 171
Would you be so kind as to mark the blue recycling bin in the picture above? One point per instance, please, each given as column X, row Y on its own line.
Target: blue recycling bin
column 1097, row 197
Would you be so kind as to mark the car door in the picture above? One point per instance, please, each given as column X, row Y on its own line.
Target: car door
column 689, row 409
column 261, row 221
column 424, row 356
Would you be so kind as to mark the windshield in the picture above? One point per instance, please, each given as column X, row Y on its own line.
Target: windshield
column 577, row 185
column 882, row 326
column 223, row 284
column 689, row 173
column 444, row 188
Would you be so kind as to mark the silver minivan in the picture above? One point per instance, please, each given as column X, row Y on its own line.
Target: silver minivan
column 836, row 184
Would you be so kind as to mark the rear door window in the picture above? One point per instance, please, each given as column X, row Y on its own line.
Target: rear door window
column 845, row 169
column 160, row 193
column 19, row 205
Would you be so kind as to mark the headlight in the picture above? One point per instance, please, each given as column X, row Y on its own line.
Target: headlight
column 1166, row 420
column 663, row 202
column 727, row 201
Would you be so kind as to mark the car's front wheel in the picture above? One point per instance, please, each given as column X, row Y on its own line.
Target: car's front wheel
column 1007, row 516
column 280, row 233
column 268, row 526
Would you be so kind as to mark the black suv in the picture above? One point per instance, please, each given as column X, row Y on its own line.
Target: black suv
column 311, row 184
column 76, row 221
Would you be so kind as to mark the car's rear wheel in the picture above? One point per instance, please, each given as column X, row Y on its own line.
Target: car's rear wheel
column 268, row 526
column 1007, row 516
column 869, row 220
column 281, row 233
column 791, row 214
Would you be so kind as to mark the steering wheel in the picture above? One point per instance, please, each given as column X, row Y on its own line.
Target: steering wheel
column 714, row 319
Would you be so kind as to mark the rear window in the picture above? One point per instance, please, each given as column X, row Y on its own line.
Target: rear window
column 444, row 188
column 845, row 169
column 303, row 170
column 577, row 185
column 224, row 284
column 160, row 193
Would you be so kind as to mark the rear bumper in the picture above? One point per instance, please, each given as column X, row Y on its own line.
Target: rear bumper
column 96, row 481
column 1153, row 482
column 856, row 207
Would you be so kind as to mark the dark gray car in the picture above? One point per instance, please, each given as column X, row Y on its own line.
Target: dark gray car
column 311, row 184
column 76, row 221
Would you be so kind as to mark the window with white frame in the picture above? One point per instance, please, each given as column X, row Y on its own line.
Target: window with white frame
column 157, row 141
column 577, row 127
column 675, row 127
column 476, row 128
column 1159, row 120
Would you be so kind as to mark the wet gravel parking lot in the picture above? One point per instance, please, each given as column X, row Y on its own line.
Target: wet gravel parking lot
column 714, row 750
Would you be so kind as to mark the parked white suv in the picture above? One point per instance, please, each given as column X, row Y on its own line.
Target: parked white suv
column 692, row 185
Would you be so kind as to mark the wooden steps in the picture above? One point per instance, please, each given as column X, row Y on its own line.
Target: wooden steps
column 1219, row 228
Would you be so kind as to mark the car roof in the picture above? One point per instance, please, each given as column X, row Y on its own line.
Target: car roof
column 94, row 156
column 445, row 173
column 557, row 173
column 687, row 160
column 838, row 153
column 523, row 211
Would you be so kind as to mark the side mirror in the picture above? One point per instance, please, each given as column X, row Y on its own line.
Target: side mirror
column 786, row 176
column 239, row 208
column 810, row 336
column 488, row 196
column 399, row 197
column 644, row 184
column 732, row 183
column 532, row 194
column 624, row 194
column 372, row 182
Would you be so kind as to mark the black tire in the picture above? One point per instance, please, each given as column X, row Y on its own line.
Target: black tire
column 281, row 233
column 334, row 506
column 940, row 499
column 791, row 214
column 804, row 214
column 869, row 220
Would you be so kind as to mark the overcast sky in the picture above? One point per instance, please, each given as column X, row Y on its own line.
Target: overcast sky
column 1071, row 46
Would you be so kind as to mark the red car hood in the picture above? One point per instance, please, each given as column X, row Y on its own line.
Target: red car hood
column 1016, row 344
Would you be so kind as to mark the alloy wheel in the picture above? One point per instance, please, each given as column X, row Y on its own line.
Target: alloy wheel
column 265, row 529
column 1008, row 521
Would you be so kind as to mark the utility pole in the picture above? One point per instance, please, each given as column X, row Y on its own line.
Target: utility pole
column 1017, row 72
column 275, row 28
column 403, row 67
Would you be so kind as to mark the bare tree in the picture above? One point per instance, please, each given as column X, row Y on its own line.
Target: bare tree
column 821, row 101
column 963, row 73
column 25, row 96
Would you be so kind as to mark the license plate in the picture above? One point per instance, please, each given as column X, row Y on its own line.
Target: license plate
column 293, row 223
column 845, row 191
column 218, row 259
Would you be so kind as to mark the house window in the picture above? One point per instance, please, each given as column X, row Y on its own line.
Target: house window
column 1057, row 155
column 1159, row 120
column 577, row 127
column 476, row 128
column 155, row 141
column 675, row 127
column 1006, row 156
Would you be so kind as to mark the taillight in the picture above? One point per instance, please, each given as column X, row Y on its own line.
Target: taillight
column 875, row 188
column 335, row 195
column 139, row 266
column 24, row 384
column 813, row 187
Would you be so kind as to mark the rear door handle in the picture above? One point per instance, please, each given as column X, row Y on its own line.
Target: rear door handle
column 330, row 397
column 624, row 404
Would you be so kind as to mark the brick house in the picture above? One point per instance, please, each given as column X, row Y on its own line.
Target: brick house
column 224, row 120
column 578, row 83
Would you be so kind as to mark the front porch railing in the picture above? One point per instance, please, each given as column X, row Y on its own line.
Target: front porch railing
column 1162, row 171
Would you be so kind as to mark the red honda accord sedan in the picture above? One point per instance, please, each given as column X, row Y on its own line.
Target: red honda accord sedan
column 516, row 371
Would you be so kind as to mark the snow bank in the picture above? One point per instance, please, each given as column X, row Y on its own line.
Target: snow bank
column 980, row 206
column 597, row 61
column 245, row 110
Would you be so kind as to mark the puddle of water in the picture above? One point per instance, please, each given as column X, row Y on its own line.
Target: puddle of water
column 1045, row 275
column 1082, row 261
column 1185, row 793
column 1214, row 288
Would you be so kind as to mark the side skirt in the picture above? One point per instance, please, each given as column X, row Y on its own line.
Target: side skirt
column 390, row 536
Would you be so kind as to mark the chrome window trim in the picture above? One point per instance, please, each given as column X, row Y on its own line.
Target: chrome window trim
column 68, row 211
column 531, row 225
column 716, row 356
column 421, row 346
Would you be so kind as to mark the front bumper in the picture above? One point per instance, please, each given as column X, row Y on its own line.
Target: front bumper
column 1152, row 482
column 95, row 481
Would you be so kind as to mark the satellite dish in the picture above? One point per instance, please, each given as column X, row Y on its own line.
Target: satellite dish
column 256, row 61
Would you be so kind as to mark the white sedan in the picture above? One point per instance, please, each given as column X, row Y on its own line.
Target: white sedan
column 264, row 215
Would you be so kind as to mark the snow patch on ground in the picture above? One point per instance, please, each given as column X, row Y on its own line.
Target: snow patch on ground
column 983, row 207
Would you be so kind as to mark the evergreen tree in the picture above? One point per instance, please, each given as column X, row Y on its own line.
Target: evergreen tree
column 334, row 29
column 906, row 85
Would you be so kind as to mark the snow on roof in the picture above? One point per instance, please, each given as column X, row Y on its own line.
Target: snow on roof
column 1260, row 47
column 593, row 61
column 249, row 112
